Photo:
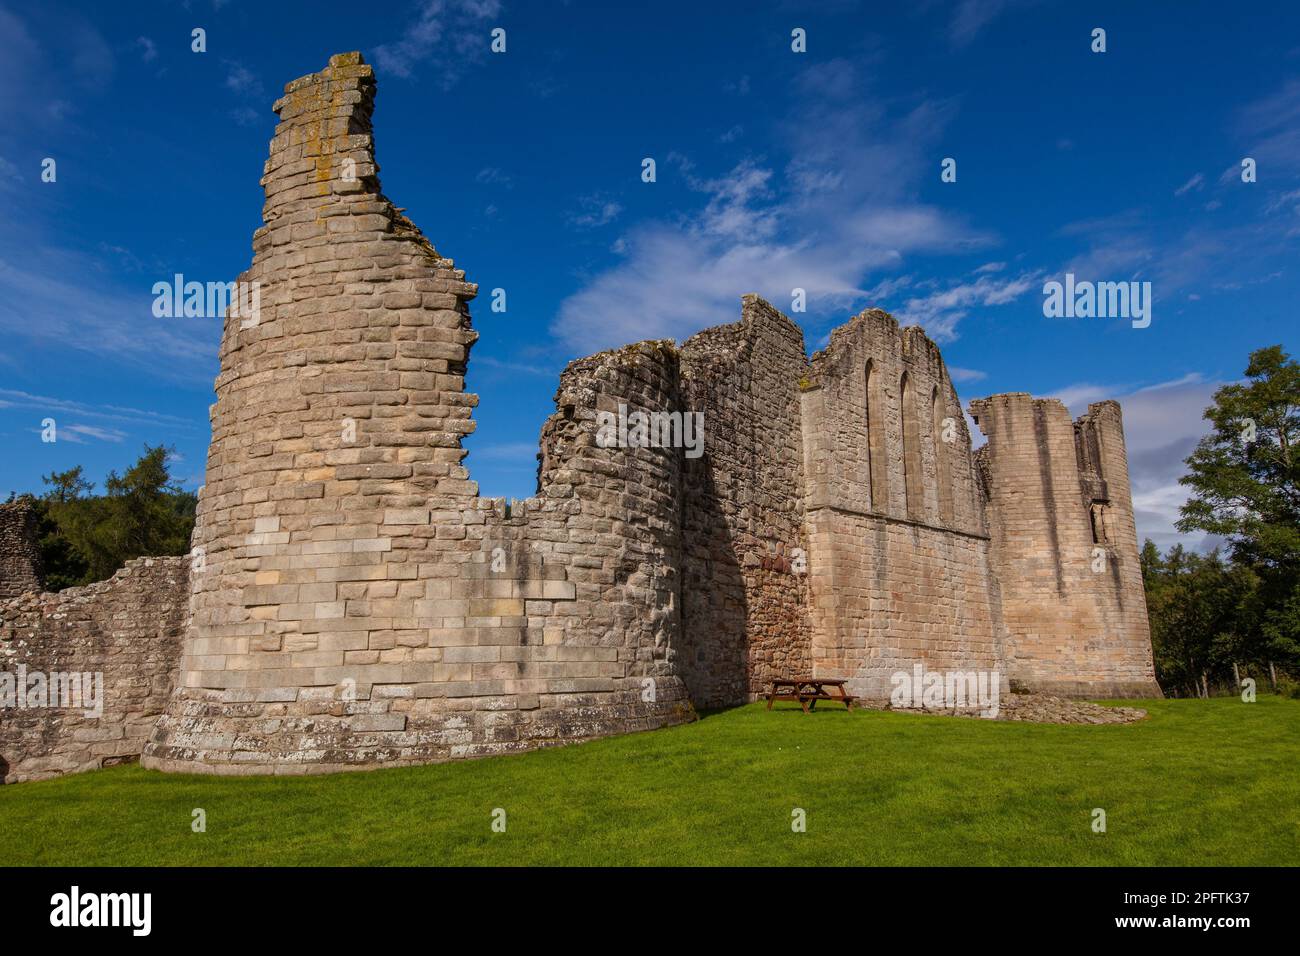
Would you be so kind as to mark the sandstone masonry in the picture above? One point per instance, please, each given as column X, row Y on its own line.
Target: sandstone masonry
column 20, row 559
column 129, row 630
column 354, row 602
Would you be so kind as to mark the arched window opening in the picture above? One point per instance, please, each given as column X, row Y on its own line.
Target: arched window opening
column 877, row 476
column 911, row 450
column 1097, row 515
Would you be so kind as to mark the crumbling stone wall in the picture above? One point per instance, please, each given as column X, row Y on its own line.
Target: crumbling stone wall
column 1065, row 548
column 744, row 597
column 20, row 557
column 899, row 554
column 129, row 630
column 350, row 610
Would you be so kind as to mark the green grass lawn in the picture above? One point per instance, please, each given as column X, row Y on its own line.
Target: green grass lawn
column 1200, row 782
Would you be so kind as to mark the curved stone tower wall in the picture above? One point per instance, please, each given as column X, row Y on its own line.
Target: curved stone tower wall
column 899, row 561
column 20, row 555
column 346, row 607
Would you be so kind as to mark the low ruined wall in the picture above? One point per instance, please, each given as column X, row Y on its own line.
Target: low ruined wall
column 20, row 558
column 127, row 629
column 897, row 595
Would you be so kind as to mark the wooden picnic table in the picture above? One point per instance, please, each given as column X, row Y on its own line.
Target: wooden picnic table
column 808, row 690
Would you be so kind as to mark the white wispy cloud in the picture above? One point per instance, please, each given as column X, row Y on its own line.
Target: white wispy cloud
column 454, row 33
column 1192, row 255
column 972, row 16
column 242, row 81
column 79, row 433
column 1194, row 183
column 1287, row 201
column 49, row 298
column 940, row 311
column 9, row 175
column 492, row 176
column 594, row 211
column 122, row 414
column 480, row 362
column 842, row 206
column 1269, row 129
column 959, row 374
column 42, row 86
column 509, row 451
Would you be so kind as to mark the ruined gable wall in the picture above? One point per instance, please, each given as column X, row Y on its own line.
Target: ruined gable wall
column 129, row 629
column 1074, row 605
column 344, row 615
column 744, row 597
column 898, row 576
column 20, row 558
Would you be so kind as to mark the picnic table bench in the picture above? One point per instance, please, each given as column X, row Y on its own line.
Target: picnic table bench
column 808, row 690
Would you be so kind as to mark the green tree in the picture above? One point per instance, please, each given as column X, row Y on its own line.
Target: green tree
column 1244, row 478
column 1203, row 616
column 146, row 511
column 1244, row 475
column 58, row 512
column 66, row 486
column 142, row 512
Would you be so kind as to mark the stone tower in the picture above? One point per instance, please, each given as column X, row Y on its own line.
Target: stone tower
column 1064, row 548
column 354, row 601
column 20, row 555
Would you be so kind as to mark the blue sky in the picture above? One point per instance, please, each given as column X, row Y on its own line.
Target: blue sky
column 775, row 170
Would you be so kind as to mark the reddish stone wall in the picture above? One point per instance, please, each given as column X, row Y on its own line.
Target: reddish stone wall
column 128, row 629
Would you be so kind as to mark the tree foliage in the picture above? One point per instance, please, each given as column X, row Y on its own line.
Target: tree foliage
column 1207, row 612
column 1244, row 475
column 86, row 538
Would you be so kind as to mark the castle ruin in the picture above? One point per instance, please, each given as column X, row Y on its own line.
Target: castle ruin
column 351, row 601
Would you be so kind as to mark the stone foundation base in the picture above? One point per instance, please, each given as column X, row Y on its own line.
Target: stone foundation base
column 227, row 733
column 876, row 689
column 1088, row 690
column 1041, row 709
